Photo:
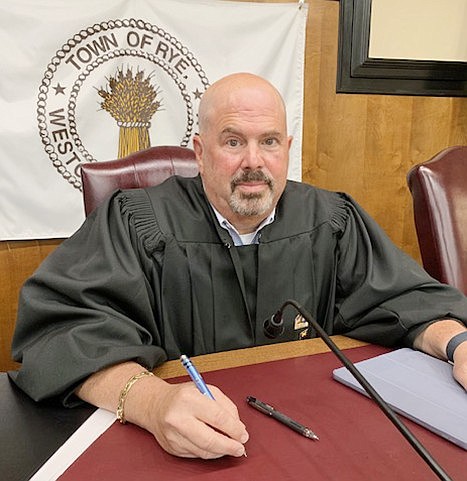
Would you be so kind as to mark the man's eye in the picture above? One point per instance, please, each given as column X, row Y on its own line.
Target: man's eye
column 270, row 141
column 233, row 142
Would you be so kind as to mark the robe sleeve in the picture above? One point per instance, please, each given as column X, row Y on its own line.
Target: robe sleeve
column 91, row 303
column 384, row 296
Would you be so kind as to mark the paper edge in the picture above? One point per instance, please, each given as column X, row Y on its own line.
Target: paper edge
column 76, row 444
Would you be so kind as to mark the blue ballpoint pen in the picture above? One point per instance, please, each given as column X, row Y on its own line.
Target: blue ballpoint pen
column 195, row 376
column 197, row 379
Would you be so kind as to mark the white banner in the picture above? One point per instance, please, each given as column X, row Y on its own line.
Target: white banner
column 86, row 80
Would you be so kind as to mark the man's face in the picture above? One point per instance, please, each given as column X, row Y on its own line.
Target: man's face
column 243, row 154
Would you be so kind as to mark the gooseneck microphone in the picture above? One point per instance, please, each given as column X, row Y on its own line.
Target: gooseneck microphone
column 274, row 327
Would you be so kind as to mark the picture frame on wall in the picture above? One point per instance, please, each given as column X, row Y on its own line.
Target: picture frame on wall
column 360, row 72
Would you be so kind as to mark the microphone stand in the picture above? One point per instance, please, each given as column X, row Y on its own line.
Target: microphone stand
column 422, row 451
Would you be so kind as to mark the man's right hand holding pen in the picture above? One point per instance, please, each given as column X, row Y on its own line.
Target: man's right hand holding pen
column 189, row 424
column 185, row 422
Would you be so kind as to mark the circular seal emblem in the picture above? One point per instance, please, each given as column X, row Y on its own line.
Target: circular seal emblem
column 115, row 88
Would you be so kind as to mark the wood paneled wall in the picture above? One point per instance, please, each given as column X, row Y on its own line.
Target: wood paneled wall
column 18, row 260
column 360, row 144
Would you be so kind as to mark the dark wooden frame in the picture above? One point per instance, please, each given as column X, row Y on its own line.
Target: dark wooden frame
column 359, row 73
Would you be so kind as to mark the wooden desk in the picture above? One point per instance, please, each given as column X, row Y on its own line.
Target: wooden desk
column 255, row 355
column 40, row 428
column 356, row 439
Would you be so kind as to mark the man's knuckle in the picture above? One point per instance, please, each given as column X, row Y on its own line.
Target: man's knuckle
column 220, row 418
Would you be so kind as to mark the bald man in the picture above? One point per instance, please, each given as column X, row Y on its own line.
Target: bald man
column 196, row 265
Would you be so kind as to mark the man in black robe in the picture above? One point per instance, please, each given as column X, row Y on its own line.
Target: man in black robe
column 196, row 266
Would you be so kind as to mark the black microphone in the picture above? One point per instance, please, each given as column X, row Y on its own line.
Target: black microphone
column 274, row 327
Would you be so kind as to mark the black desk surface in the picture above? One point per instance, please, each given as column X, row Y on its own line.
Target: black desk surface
column 31, row 432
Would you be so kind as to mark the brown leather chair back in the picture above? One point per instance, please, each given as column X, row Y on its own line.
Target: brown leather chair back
column 141, row 169
column 439, row 192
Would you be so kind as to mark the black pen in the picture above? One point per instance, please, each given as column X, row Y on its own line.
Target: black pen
column 270, row 411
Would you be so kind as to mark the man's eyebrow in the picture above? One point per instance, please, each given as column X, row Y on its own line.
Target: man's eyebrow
column 230, row 130
column 271, row 133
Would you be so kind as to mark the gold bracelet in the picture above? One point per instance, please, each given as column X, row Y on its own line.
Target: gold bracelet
column 125, row 391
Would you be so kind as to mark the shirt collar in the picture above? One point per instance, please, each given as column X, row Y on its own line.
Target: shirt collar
column 243, row 239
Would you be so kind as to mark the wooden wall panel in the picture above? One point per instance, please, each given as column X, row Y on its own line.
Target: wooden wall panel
column 365, row 144
column 360, row 144
column 18, row 260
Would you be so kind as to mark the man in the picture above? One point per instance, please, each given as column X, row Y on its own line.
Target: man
column 197, row 265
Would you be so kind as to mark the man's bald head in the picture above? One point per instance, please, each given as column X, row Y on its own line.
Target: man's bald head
column 227, row 91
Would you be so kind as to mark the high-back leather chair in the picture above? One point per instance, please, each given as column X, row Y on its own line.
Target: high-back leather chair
column 439, row 192
column 142, row 169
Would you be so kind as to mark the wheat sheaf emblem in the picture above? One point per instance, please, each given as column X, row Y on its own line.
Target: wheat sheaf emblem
column 131, row 100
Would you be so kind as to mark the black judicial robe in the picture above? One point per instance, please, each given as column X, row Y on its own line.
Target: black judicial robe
column 151, row 275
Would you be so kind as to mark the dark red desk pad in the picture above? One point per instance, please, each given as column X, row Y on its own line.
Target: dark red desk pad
column 357, row 441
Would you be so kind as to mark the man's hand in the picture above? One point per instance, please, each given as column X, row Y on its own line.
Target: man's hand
column 185, row 422
column 188, row 424
column 459, row 370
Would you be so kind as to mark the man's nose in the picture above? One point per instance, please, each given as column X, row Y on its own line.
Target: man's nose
column 252, row 158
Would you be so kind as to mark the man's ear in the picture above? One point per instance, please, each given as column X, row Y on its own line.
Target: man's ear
column 198, row 148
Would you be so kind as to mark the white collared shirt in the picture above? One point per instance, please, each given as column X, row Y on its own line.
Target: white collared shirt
column 243, row 239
